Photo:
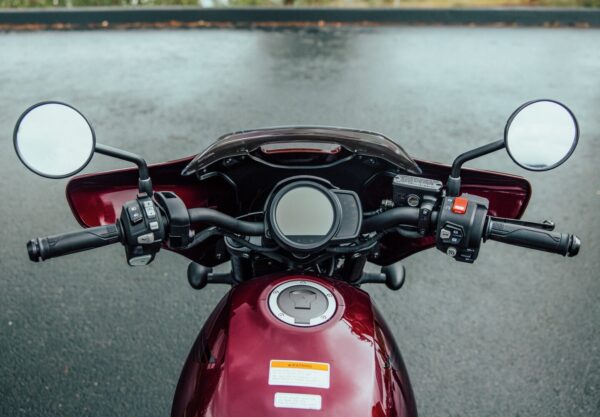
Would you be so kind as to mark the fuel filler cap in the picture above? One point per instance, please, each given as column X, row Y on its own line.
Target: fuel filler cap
column 302, row 303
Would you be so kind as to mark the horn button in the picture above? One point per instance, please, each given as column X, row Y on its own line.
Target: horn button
column 302, row 303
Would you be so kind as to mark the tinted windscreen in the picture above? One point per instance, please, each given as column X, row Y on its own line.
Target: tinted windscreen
column 353, row 141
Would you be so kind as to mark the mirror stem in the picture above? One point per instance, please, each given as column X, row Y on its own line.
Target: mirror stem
column 145, row 184
column 453, row 183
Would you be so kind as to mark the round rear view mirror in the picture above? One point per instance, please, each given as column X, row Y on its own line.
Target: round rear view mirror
column 54, row 140
column 541, row 135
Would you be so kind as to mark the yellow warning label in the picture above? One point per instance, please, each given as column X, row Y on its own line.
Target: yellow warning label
column 315, row 366
column 299, row 373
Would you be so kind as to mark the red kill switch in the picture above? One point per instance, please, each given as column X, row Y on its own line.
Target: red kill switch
column 460, row 205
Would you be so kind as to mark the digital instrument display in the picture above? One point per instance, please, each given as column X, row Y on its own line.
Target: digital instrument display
column 304, row 211
column 304, row 215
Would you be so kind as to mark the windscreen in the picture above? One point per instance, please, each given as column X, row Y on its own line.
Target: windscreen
column 357, row 142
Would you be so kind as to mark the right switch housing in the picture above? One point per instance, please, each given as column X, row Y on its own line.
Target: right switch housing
column 460, row 226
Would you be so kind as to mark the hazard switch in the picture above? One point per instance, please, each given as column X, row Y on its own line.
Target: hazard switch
column 460, row 205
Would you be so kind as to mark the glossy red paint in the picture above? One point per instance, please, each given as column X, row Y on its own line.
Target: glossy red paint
column 508, row 196
column 226, row 373
column 97, row 199
column 227, row 370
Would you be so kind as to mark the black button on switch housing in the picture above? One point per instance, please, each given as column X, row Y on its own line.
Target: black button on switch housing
column 143, row 236
column 451, row 234
column 135, row 216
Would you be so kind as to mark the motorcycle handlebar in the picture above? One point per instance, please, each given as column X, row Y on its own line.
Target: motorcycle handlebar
column 48, row 247
column 231, row 224
column 43, row 248
column 503, row 230
column 385, row 220
column 392, row 218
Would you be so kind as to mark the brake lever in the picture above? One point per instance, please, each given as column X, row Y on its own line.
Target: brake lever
column 544, row 225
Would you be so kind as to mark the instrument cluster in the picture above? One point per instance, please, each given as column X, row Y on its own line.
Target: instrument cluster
column 305, row 214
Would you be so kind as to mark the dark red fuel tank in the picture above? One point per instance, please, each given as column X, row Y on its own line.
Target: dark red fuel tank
column 248, row 363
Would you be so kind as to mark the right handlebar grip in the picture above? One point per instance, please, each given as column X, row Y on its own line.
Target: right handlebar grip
column 48, row 247
column 533, row 238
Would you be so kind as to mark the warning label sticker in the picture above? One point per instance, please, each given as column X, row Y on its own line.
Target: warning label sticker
column 299, row 373
column 303, row 401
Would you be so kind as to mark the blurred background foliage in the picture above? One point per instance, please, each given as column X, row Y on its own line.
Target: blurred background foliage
column 303, row 3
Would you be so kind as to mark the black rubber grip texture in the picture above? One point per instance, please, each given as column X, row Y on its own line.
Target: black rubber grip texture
column 223, row 221
column 533, row 238
column 48, row 247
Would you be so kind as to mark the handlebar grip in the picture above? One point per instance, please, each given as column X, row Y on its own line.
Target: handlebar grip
column 530, row 237
column 48, row 247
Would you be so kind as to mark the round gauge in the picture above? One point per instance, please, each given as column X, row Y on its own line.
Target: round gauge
column 304, row 215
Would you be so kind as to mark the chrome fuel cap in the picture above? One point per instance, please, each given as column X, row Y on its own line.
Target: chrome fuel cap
column 302, row 303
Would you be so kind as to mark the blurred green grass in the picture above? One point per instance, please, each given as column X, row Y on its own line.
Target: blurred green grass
column 302, row 3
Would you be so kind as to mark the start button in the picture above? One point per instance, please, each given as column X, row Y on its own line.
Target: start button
column 302, row 303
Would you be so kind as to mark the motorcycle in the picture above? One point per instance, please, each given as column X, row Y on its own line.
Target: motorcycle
column 296, row 212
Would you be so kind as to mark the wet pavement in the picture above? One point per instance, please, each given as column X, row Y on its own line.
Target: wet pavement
column 516, row 334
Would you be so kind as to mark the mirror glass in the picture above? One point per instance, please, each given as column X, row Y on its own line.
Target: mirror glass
column 541, row 135
column 304, row 211
column 54, row 140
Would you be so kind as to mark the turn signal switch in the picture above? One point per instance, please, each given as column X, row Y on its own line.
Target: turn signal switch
column 143, row 230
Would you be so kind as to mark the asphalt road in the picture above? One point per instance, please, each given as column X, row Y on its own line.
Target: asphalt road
column 516, row 334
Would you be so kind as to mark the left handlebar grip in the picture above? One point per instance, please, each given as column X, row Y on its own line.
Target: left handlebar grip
column 48, row 247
